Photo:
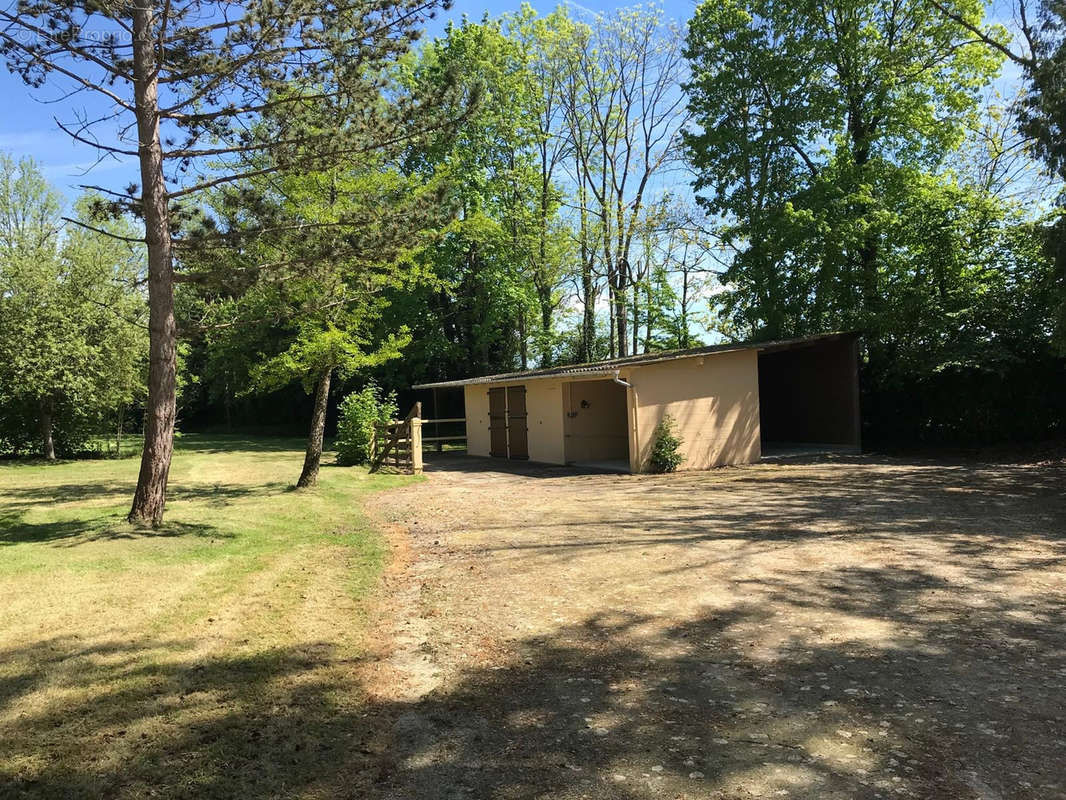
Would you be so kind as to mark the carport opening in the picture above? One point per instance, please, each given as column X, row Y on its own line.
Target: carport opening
column 808, row 399
column 596, row 425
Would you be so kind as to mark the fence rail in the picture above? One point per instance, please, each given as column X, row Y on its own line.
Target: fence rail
column 436, row 439
column 398, row 444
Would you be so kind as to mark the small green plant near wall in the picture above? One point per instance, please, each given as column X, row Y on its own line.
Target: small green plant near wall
column 355, row 424
column 665, row 451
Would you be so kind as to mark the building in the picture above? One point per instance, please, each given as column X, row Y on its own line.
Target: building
column 732, row 403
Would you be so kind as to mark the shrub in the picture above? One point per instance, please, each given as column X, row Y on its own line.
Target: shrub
column 355, row 425
column 665, row 451
column 20, row 428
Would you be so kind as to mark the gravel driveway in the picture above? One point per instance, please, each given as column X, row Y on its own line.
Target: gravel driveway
column 850, row 628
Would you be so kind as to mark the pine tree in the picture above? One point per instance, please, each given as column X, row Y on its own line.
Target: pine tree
column 188, row 83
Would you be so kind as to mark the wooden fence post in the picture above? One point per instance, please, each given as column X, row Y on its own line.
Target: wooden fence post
column 416, row 445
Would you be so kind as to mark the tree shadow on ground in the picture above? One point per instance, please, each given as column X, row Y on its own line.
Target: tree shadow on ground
column 948, row 703
column 885, row 679
column 969, row 505
column 85, row 529
column 98, row 523
column 226, row 443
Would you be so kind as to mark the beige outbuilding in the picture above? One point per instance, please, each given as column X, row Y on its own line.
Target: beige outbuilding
column 731, row 404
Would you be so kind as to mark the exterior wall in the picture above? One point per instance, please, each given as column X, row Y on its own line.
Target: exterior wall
column 477, row 419
column 713, row 399
column 544, row 404
column 600, row 430
column 544, row 409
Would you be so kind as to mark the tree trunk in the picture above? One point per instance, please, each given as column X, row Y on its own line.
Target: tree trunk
column 588, row 320
column 151, row 495
column 545, row 331
column 228, row 404
column 48, row 446
column 118, row 431
column 620, row 316
column 313, row 456
column 588, row 300
column 523, row 344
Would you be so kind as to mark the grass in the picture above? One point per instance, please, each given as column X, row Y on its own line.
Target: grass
column 217, row 656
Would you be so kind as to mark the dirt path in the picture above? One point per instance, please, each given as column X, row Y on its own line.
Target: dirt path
column 846, row 629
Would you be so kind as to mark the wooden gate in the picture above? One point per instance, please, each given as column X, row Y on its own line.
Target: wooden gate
column 398, row 444
column 508, row 429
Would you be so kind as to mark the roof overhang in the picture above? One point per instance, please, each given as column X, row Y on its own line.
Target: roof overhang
column 575, row 374
column 612, row 367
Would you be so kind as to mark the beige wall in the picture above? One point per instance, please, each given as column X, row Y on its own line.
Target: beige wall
column 599, row 431
column 714, row 400
column 544, row 405
column 544, row 409
column 477, row 419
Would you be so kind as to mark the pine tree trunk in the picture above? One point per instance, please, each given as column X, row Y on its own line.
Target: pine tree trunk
column 313, row 456
column 48, row 447
column 150, row 497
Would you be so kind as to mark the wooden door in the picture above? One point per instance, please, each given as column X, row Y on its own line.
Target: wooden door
column 498, row 423
column 517, row 431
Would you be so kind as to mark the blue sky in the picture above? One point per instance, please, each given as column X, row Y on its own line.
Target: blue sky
column 27, row 125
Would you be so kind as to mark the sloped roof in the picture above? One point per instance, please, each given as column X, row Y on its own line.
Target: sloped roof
column 608, row 366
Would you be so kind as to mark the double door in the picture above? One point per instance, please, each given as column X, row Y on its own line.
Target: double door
column 508, row 431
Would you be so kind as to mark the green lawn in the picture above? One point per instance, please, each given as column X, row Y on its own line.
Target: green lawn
column 218, row 656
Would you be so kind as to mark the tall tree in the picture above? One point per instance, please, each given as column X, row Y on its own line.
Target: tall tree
column 359, row 231
column 1038, row 48
column 630, row 118
column 41, row 353
column 105, row 263
column 483, row 301
column 186, row 83
column 544, row 44
column 806, row 112
column 71, row 319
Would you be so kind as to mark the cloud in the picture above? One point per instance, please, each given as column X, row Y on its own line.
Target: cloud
column 32, row 140
column 582, row 9
column 85, row 169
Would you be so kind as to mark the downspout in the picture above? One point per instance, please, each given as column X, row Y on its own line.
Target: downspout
column 634, row 455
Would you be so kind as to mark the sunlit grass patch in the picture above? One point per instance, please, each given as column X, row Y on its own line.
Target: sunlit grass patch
column 189, row 660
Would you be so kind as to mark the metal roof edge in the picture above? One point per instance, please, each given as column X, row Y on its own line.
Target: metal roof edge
column 610, row 366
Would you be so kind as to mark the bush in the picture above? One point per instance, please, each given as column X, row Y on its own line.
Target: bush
column 355, row 426
column 665, row 455
column 20, row 428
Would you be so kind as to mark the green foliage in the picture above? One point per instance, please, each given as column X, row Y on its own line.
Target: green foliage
column 860, row 187
column 666, row 447
column 316, row 351
column 806, row 115
column 1043, row 112
column 357, row 414
column 479, row 311
column 73, row 335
